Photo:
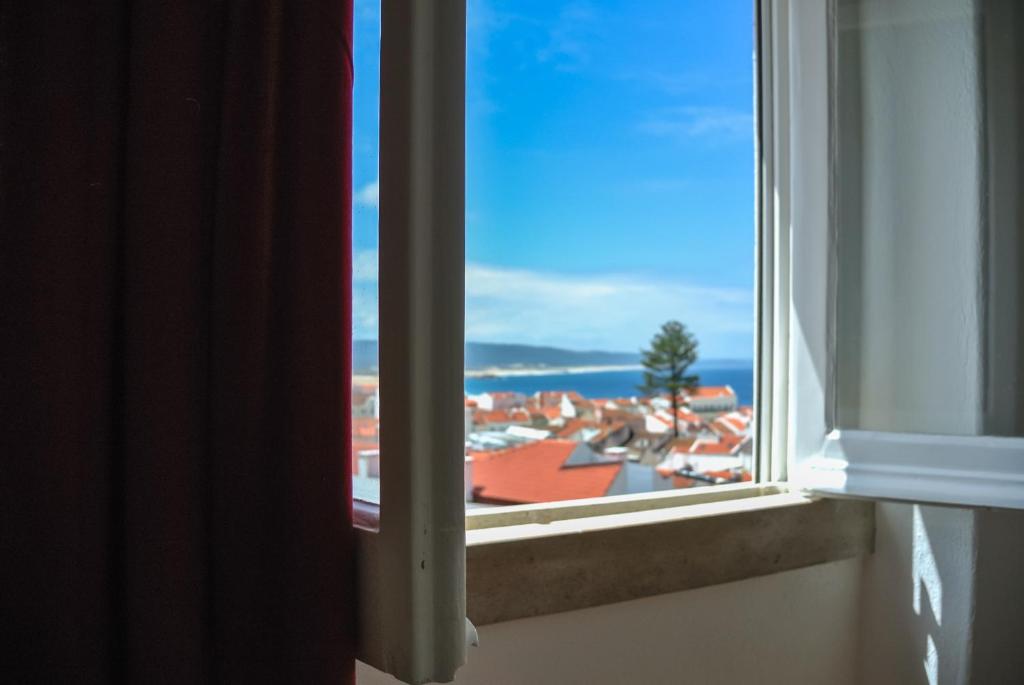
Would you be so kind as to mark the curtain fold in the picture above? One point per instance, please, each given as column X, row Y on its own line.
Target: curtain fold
column 175, row 202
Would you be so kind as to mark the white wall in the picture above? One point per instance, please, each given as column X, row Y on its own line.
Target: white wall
column 918, row 596
column 944, row 597
column 941, row 601
column 798, row 627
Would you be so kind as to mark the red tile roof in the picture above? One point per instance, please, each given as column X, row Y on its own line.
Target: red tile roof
column 551, row 413
column 681, row 444
column 534, row 472
column 364, row 427
column 745, row 476
column 482, row 418
column 575, row 426
column 708, row 391
column 729, row 424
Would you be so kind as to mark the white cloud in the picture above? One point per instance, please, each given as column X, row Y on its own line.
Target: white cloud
column 364, row 294
column 614, row 312
column 592, row 312
column 364, row 266
column 719, row 123
column 368, row 195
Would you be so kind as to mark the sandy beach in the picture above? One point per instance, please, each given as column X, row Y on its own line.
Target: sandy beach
column 498, row 372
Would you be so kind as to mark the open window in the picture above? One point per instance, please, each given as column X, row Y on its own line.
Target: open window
column 886, row 308
column 411, row 530
column 905, row 248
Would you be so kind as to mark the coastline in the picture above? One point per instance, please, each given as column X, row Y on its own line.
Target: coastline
column 502, row 372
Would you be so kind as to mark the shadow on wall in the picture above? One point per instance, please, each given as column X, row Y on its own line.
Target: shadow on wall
column 927, row 594
column 918, row 590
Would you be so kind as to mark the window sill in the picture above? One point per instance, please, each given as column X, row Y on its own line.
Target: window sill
column 549, row 566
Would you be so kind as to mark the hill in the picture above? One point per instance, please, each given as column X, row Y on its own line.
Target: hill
column 498, row 355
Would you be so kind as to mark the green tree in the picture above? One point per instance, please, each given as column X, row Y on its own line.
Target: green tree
column 673, row 350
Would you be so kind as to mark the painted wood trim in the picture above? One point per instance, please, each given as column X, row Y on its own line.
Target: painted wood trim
column 412, row 572
column 964, row 470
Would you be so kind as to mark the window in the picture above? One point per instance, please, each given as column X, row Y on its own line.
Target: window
column 412, row 546
column 906, row 230
column 610, row 189
column 848, row 337
column 365, row 242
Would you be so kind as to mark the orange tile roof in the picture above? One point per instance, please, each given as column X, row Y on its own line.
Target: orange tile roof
column 534, row 472
column 745, row 476
column 685, row 414
column 681, row 444
column 549, row 397
column 711, row 391
column 729, row 424
column 575, row 426
column 503, row 394
column 501, row 416
column 364, row 427
column 550, row 413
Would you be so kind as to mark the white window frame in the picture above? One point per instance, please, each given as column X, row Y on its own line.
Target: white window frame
column 412, row 558
column 822, row 457
column 411, row 552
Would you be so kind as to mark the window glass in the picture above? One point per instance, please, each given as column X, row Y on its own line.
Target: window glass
column 610, row 203
column 930, row 236
column 365, row 378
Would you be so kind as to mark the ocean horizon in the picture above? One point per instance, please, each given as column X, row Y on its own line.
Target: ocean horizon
column 615, row 383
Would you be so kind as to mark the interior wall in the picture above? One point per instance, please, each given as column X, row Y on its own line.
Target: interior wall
column 793, row 627
column 996, row 654
column 918, row 596
column 943, row 600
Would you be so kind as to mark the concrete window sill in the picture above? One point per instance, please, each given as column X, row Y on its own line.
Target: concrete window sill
column 519, row 569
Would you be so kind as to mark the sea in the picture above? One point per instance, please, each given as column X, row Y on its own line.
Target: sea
column 739, row 375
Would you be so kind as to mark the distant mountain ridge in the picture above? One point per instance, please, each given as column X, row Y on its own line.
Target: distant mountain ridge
column 505, row 356
column 508, row 356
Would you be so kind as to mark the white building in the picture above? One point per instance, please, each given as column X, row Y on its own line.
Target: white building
column 491, row 401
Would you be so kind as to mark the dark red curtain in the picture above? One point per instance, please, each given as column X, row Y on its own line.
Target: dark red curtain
column 174, row 328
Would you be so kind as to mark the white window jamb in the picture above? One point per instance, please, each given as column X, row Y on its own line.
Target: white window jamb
column 412, row 614
column 823, row 457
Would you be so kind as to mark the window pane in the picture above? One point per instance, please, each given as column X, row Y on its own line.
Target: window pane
column 929, row 221
column 610, row 190
column 365, row 379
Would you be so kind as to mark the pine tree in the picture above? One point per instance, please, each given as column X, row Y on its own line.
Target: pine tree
column 673, row 350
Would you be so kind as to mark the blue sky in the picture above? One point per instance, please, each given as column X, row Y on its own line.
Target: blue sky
column 609, row 172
